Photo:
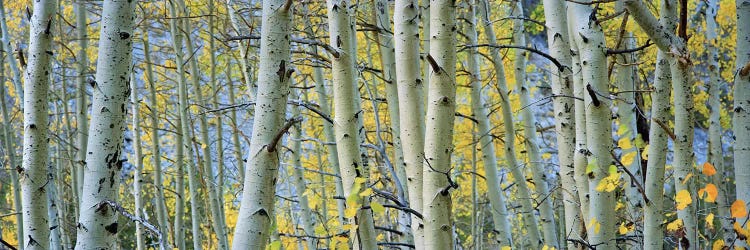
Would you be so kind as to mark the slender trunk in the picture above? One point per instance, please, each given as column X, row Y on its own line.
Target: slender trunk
column 235, row 130
column 10, row 151
column 299, row 180
column 680, row 69
column 388, row 64
column 742, row 103
column 97, row 226
column 215, row 207
column 592, row 56
column 425, row 39
column 438, row 233
column 179, row 206
column 256, row 208
column 580, row 154
column 82, row 120
column 161, row 206
column 347, row 122
column 546, row 212
column 176, row 26
column 138, row 162
column 215, row 88
column 411, row 101
column 562, row 89
column 33, row 174
column 479, row 107
column 625, row 82
column 245, row 48
column 16, row 73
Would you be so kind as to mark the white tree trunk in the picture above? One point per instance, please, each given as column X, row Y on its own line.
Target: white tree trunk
column 256, row 209
column 347, row 122
column 438, row 225
column 562, row 87
column 138, row 162
column 298, row 177
column 33, row 174
column 479, row 107
column 411, row 100
column 742, row 103
column 592, row 55
column 16, row 73
column 681, row 73
column 245, row 50
column 82, row 120
column 97, row 226
column 9, row 138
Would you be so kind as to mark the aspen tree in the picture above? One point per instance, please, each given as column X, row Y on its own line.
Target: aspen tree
column 215, row 88
column 546, row 212
column 347, row 122
column 625, row 82
column 580, row 154
column 411, row 101
column 82, row 120
column 245, row 48
column 33, row 172
column 97, row 225
column 388, row 64
column 138, row 162
column 6, row 46
column 681, row 71
column 742, row 103
column 176, row 25
column 480, row 111
column 299, row 178
column 158, row 179
column 256, row 209
column 653, row 211
column 592, row 55
column 10, row 152
column 179, row 206
column 441, row 106
column 562, row 80
column 235, row 128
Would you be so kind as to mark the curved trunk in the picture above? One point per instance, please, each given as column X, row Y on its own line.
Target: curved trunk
column 256, row 209
column 97, row 228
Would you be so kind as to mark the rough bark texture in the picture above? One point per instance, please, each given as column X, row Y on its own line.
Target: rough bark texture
column 742, row 103
column 33, row 172
column 97, row 225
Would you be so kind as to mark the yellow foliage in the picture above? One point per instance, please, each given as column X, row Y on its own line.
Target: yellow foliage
column 709, row 169
column 674, row 225
column 718, row 245
column 710, row 191
column 629, row 158
column 738, row 209
column 710, row 220
column 609, row 183
column 683, row 199
column 594, row 224
column 740, row 230
column 644, row 154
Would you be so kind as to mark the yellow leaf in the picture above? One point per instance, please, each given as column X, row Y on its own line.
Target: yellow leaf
column 683, row 199
column 674, row 225
column 366, row 193
column 505, row 248
column 623, row 229
column 595, row 225
column 377, row 207
column 624, row 143
column 629, row 158
column 619, row 206
column 710, row 220
column 276, row 245
column 546, row 156
column 740, row 231
column 644, row 154
column 320, row 230
column 609, row 183
column 687, row 177
column 711, row 192
column 350, row 212
column 709, row 169
column 718, row 245
column 738, row 209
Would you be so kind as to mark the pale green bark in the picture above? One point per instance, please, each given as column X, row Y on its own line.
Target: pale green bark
column 592, row 55
column 256, row 209
column 742, row 103
column 82, row 120
column 299, row 180
column 562, row 88
column 546, row 213
column 97, row 226
column 480, row 110
column 138, row 163
column 10, row 151
column 580, row 154
column 441, row 106
column 347, row 121
column 245, row 49
column 6, row 46
column 410, row 97
column 33, row 172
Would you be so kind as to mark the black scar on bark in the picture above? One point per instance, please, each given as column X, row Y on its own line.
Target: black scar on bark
column 111, row 228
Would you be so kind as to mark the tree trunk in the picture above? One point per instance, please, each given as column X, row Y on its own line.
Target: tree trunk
column 742, row 103
column 256, row 209
column 592, row 55
column 438, row 223
column 138, row 162
column 245, row 49
column 411, row 101
column 347, row 122
column 16, row 77
column 97, row 226
column 299, row 179
column 9, row 138
column 33, row 174
column 479, row 107
column 546, row 213
column 82, row 120
column 562, row 89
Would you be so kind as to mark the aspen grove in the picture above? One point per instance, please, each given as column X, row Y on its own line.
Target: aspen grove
column 374, row 124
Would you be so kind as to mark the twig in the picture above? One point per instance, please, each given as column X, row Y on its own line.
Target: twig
column 557, row 63
column 626, row 51
column 134, row 218
column 665, row 128
column 282, row 131
column 633, row 179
